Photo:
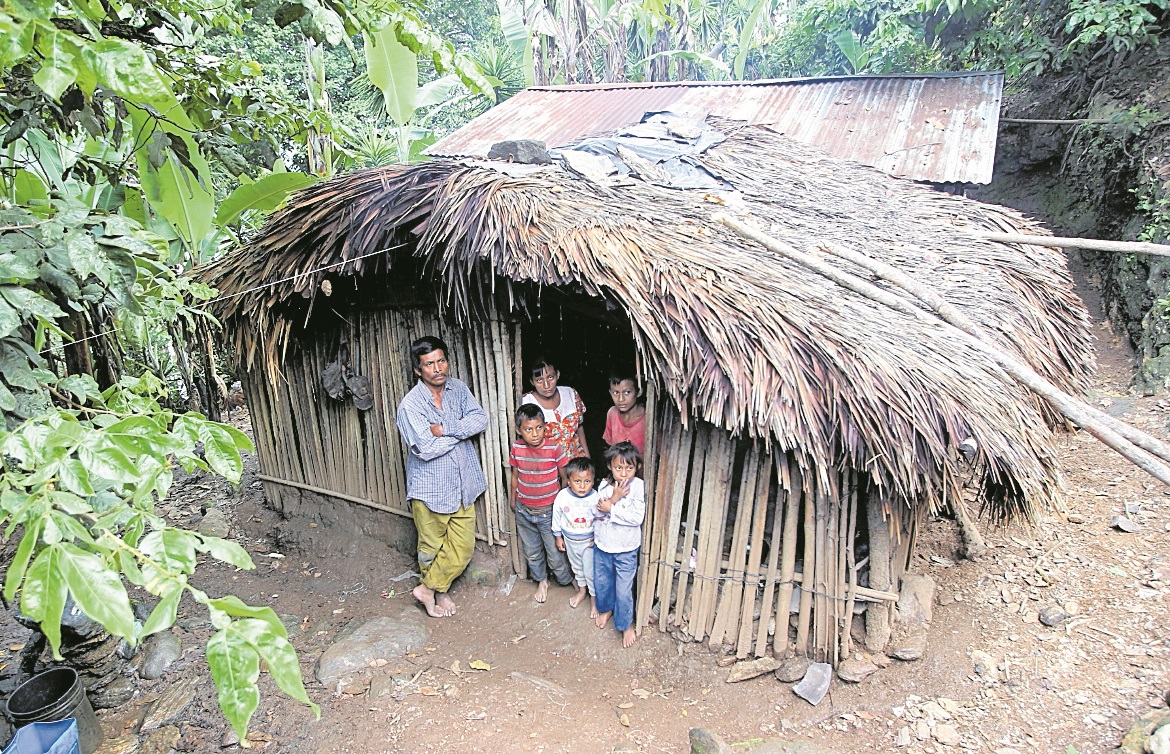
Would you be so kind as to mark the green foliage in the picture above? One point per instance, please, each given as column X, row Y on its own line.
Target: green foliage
column 82, row 484
column 83, row 468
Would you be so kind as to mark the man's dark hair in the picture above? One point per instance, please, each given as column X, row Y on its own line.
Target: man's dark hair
column 526, row 412
column 625, row 450
column 425, row 345
column 579, row 464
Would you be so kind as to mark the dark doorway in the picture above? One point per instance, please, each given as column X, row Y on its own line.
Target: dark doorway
column 587, row 341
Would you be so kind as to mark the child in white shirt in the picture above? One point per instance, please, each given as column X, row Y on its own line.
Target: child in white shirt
column 617, row 536
column 572, row 525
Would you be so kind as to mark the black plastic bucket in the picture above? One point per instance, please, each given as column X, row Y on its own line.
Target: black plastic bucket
column 56, row 694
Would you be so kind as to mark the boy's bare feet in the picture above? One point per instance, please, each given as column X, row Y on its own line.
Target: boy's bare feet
column 602, row 619
column 576, row 598
column 426, row 596
column 444, row 604
column 593, row 607
column 541, row 591
column 628, row 637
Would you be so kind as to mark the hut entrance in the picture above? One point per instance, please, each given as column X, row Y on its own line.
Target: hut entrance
column 586, row 342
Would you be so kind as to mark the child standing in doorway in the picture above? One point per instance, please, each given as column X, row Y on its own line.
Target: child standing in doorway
column 563, row 408
column 617, row 536
column 626, row 421
column 537, row 462
column 572, row 526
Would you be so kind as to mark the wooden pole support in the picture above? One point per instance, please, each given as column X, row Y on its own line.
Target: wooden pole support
column 1092, row 244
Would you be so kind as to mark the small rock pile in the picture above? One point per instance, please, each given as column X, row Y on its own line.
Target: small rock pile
column 928, row 721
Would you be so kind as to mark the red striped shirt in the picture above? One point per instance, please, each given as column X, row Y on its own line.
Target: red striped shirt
column 537, row 472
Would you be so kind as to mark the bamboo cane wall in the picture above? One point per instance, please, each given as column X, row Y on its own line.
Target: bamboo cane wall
column 734, row 530
column 307, row 440
column 740, row 541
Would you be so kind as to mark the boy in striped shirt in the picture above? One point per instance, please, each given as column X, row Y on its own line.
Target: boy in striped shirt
column 537, row 461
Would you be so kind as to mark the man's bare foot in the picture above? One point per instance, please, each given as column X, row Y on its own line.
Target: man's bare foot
column 576, row 598
column 444, row 604
column 628, row 637
column 426, row 596
column 602, row 619
column 541, row 591
column 592, row 607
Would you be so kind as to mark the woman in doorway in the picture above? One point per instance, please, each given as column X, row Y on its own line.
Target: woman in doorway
column 562, row 406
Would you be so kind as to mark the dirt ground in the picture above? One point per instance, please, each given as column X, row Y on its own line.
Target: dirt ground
column 558, row 684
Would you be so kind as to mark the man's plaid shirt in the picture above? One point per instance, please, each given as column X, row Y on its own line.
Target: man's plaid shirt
column 443, row 472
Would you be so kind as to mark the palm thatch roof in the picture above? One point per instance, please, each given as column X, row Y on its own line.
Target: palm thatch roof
column 731, row 333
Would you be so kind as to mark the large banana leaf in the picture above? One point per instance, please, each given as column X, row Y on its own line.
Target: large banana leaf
column 745, row 38
column 393, row 68
column 265, row 195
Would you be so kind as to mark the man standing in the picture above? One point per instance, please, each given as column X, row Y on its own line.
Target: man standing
column 443, row 475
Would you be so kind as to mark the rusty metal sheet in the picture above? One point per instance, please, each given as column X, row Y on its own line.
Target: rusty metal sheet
column 928, row 127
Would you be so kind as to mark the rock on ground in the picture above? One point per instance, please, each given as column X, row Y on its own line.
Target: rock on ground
column 158, row 652
column 363, row 642
column 171, row 704
column 214, row 524
column 792, row 669
column 856, row 668
column 742, row 671
column 704, row 741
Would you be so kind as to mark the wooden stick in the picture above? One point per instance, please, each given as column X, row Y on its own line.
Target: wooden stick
column 669, row 552
column 711, row 514
column 755, row 555
column 702, row 444
column 667, row 444
column 1091, row 244
column 790, row 531
column 1082, row 413
column 646, row 572
column 821, row 562
column 851, row 562
column 838, row 523
column 806, row 594
column 1056, row 121
column 773, row 565
column 727, row 611
column 1132, row 444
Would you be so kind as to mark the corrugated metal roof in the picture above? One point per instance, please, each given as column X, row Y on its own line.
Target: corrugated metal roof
column 928, row 127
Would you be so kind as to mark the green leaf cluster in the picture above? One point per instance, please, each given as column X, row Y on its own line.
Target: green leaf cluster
column 82, row 485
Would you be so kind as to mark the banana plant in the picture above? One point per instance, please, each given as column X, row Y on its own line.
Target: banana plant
column 393, row 68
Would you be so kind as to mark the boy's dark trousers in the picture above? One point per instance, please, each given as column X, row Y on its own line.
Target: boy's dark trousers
column 534, row 526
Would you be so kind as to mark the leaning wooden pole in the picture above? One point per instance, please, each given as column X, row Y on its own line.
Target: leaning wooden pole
column 1022, row 372
column 1131, row 443
column 1091, row 244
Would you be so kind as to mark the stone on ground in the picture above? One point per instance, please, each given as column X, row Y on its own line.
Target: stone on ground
column 171, row 704
column 162, row 741
column 704, row 741
column 484, row 570
column 363, row 642
column 748, row 669
column 912, row 617
column 127, row 744
column 856, row 668
column 214, row 524
column 158, row 652
column 792, row 669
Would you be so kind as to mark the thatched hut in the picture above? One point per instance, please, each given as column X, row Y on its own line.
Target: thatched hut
column 800, row 432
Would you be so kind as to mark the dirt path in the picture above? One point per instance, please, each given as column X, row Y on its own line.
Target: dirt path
column 558, row 684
